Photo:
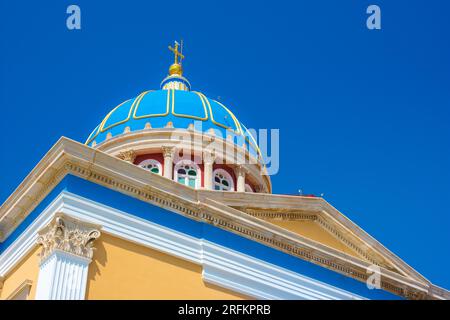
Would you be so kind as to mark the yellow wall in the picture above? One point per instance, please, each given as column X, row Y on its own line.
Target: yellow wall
column 313, row 231
column 27, row 269
column 124, row 270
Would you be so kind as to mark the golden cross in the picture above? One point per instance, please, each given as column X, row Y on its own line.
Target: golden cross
column 176, row 52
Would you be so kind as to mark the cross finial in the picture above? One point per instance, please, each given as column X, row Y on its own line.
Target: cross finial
column 177, row 54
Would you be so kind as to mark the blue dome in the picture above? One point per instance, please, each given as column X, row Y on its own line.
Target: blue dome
column 179, row 108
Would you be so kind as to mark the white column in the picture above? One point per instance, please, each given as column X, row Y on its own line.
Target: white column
column 67, row 249
column 62, row 276
column 240, row 174
column 208, row 161
column 168, row 162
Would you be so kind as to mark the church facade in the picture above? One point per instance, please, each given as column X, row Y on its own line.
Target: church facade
column 169, row 199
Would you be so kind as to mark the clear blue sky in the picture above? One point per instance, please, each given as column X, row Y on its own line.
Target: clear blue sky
column 363, row 115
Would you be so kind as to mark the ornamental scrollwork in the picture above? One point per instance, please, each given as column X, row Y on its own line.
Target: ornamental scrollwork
column 69, row 236
column 128, row 155
column 168, row 152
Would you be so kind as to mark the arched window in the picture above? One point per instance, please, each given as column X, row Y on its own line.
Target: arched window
column 222, row 180
column 152, row 166
column 188, row 173
column 248, row 188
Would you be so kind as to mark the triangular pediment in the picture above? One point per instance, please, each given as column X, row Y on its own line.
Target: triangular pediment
column 312, row 229
column 320, row 223
column 317, row 227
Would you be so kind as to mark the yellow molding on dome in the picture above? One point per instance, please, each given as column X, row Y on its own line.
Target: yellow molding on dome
column 236, row 121
column 254, row 144
column 103, row 129
column 187, row 115
column 152, row 115
column 204, row 98
column 239, row 130
column 93, row 135
column 100, row 128
column 256, row 147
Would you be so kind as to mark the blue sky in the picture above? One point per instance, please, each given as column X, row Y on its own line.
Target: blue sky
column 363, row 115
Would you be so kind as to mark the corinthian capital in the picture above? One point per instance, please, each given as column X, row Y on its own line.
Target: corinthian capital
column 209, row 157
column 168, row 151
column 68, row 235
column 128, row 155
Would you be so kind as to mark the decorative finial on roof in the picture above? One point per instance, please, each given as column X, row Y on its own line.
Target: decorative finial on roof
column 176, row 67
column 176, row 52
column 175, row 79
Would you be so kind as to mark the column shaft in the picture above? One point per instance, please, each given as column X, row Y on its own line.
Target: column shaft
column 168, row 162
column 208, row 175
column 240, row 174
column 208, row 162
column 62, row 276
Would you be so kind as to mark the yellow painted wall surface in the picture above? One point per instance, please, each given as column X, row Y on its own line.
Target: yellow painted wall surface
column 124, row 270
column 27, row 269
column 315, row 232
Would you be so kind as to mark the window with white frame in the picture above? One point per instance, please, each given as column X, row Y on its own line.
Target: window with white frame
column 188, row 173
column 222, row 180
column 248, row 188
column 22, row 292
column 152, row 166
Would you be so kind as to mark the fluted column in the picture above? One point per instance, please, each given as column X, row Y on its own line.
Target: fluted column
column 240, row 175
column 208, row 162
column 168, row 161
column 67, row 250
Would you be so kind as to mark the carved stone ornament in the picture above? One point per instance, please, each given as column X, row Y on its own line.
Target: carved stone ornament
column 129, row 155
column 168, row 151
column 69, row 236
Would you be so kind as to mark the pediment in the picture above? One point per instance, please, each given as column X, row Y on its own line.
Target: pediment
column 313, row 229
column 320, row 227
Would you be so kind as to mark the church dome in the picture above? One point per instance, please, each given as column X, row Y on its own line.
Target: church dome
column 169, row 108
column 157, row 127
column 174, row 106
